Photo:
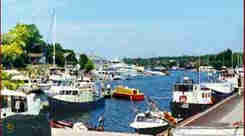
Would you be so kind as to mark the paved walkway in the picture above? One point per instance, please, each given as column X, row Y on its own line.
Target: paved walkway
column 227, row 112
column 65, row 132
column 219, row 120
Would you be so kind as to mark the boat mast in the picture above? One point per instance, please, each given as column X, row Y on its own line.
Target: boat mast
column 232, row 60
column 199, row 69
column 54, row 36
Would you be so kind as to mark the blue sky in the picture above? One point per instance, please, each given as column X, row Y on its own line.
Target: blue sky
column 134, row 28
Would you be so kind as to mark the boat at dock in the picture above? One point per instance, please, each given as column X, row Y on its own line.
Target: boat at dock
column 72, row 98
column 190, row 98
column 15, row 102
column 24, row 112
column 146, row 123
column 153, row 122
column 128, row 93
column 220, row 90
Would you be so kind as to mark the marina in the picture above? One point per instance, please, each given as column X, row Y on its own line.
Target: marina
column 120, row 69
column 159, row 94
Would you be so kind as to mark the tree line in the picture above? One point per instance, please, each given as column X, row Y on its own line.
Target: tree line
column 25, row 39
column 225, row 58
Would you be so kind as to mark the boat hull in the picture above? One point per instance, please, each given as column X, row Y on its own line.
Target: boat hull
column 129, row 97
column 151, row 131
column 218, row 96
column 59, row 106
column 180, row 110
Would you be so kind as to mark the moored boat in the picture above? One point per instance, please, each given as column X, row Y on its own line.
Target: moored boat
column 220, row 90
column 128, row 93
column 152, row 122
column 67, row 98
column 190, row 98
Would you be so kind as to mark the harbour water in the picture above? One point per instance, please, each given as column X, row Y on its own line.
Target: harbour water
column 119, row 113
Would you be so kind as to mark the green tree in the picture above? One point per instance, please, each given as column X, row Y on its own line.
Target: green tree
column 83, row 60
column 11, row 53
column 25, row 35
column 89, row 66
column 28, row 37
column 7, row 82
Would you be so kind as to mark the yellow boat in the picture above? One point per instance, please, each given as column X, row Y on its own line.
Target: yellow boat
column 128, row 93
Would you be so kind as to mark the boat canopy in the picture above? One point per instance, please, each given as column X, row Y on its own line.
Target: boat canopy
column 7, row 92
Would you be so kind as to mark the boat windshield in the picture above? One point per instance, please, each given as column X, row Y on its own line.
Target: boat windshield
column 183, row 87
column 147, row 119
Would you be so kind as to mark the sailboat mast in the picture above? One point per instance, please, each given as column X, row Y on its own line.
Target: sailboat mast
column 199, row 69
column 54, row 36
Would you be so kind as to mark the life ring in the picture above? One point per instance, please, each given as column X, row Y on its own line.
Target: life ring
column 183, row 99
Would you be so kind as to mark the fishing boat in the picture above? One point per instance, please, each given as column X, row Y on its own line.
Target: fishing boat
column 190, row 98
column 68, row 98
column 128, row 93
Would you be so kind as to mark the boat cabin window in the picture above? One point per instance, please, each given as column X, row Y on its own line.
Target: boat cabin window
column 183, row 88
column 140, row 118
column 74, row 92
column 62, row 92
column 18, row 104
column 26, row 81
column 68, row 92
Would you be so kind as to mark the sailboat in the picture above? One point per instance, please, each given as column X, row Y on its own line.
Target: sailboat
column 68, row 95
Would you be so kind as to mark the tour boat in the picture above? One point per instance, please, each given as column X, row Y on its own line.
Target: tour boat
column 128, row 93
